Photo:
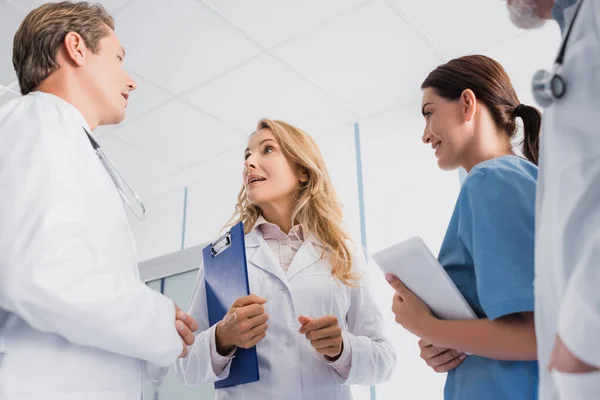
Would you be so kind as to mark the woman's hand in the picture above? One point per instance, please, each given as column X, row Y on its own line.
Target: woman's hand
column 440, row 359
column 410, row 311
column 244, row 325
column 325, row 335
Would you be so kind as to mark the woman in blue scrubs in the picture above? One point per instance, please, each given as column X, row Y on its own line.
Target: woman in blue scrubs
column 471, row 112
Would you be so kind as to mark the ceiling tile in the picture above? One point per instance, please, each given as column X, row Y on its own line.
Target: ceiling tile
column 179, row 46
column 262, row 88
column 10, row 19
column 361, row 51
column 324, row 124
column 109, row 5
column 230, row 161
column 401, row 92
column 145, row 98
column 286, row 19
column 454, row 30
column 180, row 134
column 136, row 166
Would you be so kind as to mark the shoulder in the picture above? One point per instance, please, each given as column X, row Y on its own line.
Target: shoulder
column 32, row 120
column 499, row 176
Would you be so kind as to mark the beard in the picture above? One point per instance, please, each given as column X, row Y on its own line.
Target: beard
column 524, row 14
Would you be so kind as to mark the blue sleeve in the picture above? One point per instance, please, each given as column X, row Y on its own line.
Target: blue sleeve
column 497, row 224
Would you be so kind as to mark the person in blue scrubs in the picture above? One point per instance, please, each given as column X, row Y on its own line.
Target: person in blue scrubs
column 471, row 112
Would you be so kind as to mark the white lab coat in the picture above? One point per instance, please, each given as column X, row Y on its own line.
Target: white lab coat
column 75, row 321
column 567, row 254
column 289, row 367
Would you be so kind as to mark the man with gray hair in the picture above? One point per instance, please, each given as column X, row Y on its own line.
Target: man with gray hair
column 567, row 253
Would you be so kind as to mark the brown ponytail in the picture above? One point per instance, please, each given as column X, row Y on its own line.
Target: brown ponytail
column 532, row 121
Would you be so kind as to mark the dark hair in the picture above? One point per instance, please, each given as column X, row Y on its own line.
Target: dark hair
column 492, row 86
column 43, row 31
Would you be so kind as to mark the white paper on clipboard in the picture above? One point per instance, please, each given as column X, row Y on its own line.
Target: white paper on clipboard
column 414, row 264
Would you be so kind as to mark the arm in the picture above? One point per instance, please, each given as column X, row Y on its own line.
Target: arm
column 501, row 247
column 52, row 277
column 203, row 363
column 209, row 359
column 577, row 231
column 508, row 338
column 373, row 358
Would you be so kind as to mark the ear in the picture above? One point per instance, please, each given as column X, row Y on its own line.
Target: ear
column 304, row 175
column 75, row 48
column 468, row 102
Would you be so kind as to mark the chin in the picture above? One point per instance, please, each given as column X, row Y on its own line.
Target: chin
column 446, row 166
column 113, row 119
column 255, row 200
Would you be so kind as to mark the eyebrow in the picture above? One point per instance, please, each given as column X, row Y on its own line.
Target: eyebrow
column 423, row 108
column 260, row 144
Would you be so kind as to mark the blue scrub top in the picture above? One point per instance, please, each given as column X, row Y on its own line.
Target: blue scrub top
column 488, row 252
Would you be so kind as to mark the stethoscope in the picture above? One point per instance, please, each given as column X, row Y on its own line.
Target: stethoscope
column 548, row 87
column 133, row 202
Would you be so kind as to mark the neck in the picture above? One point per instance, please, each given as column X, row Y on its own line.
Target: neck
column 279, row 213
column 486, row 147
column 545, row 8
column 67, row 88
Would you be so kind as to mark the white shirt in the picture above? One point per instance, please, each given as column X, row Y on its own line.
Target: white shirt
column 567, row 254
column 289, row 367
column 75, row 320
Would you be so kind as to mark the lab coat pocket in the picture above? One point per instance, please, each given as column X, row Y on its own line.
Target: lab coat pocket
column 579, row 386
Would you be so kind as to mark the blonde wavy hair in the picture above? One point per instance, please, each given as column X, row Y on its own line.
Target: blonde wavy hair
column 317, row 209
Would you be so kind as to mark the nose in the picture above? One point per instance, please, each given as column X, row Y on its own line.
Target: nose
column 250, row 163
column 131, row 84
column 426, row 135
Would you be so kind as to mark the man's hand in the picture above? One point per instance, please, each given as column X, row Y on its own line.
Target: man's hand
column 563, row 360
column 186, row 326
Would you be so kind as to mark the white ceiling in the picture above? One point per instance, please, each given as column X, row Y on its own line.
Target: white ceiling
column 208, row 70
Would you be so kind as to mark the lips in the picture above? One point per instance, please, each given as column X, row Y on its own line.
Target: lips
column 254, row 178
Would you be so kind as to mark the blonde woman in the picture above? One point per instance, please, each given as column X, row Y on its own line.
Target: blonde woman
column 315, row 325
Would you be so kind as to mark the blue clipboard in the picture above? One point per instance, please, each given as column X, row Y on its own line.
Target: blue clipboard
column 226, row 280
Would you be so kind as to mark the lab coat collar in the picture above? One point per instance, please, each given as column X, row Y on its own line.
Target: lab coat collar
column 58, row 101
column 562, row 12
column 263, row 257
column 308, row 254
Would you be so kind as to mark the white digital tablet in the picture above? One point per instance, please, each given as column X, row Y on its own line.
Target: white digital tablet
column 414, row 264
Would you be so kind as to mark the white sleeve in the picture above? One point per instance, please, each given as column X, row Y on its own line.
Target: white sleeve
column 199, row 366
column 373, row 356
column 50, row 274
column 579, row 232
